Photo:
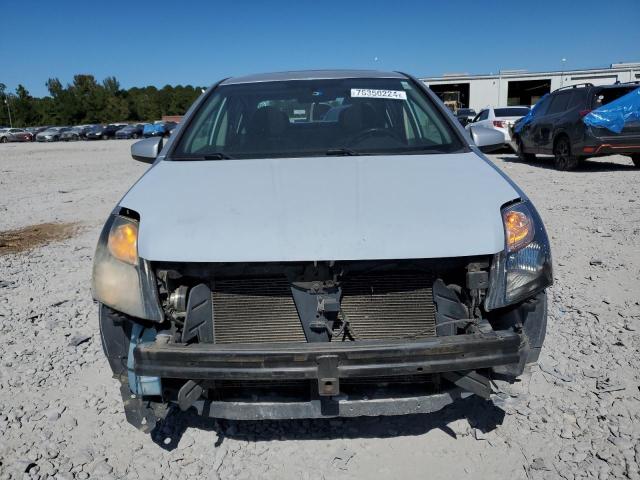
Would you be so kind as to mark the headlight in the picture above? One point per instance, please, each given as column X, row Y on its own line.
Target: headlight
column 523, row 268
column 121, row 279
column 123, row 240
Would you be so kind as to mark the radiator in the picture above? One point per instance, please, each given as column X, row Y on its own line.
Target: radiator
column 378, row 307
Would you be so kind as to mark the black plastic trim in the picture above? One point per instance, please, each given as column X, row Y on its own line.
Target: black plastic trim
column 354, row 359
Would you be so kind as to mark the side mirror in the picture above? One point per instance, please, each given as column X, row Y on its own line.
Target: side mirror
column 147, row 150
column 486, row 139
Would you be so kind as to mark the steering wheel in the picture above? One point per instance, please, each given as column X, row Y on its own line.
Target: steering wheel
column 375, row 132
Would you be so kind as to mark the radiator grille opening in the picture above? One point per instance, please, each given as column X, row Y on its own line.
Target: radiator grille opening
column 255, row 310
column 385, row 306
column 390, row 306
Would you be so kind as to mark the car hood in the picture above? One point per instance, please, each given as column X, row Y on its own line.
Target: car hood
column 326, row 208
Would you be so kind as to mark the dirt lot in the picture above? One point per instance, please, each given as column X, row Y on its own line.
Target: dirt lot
column 61, row 413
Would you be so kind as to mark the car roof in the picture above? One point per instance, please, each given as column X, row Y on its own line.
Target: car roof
column 311, row 75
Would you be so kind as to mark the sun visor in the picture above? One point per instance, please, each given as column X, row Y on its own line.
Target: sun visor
column 615, row 115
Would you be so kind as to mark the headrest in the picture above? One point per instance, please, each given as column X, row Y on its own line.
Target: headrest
column 268, row 121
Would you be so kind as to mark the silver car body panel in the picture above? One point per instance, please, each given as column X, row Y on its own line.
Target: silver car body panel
column 320, row 208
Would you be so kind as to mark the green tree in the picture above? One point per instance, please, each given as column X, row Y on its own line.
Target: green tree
column 25, row 113
column 86, row 100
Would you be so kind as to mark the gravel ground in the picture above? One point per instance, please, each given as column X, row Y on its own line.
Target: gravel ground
column 576, row 415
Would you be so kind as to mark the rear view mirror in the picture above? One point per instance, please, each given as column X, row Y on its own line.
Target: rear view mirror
column 147, row 150
column 486, row 139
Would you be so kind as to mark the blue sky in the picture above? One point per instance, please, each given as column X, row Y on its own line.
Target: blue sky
column 156, row 42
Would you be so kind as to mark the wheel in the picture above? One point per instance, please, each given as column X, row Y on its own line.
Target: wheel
column 105, row 137
column 522, row 155
column 3, row 140
column 134, row 136
column 636, row 159
column 563, row 159
column 75, row 138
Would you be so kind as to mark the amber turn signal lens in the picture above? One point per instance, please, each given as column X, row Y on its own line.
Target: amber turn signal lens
column 518, row 229
column 123, row 242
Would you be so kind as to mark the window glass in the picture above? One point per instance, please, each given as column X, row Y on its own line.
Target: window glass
column 578, row 98
column 364, row 116
column 607, row 95
column 559, row 103
column 483, row 115
column 511, row 112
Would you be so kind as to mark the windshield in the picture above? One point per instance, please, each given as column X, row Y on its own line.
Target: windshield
column 316, row 117
column 511, row 112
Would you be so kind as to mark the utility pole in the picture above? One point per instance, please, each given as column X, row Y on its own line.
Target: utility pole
column 6, row 101
column 564, row 61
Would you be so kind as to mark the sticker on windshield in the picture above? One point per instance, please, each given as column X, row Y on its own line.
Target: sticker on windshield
column 370, row 93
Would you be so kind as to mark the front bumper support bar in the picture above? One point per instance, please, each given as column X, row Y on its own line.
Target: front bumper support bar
column 327, row 362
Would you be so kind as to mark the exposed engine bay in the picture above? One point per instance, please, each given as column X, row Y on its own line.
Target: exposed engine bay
column 323, row 301
column 318, row 339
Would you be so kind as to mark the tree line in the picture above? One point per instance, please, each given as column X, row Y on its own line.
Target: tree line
column 87, row 101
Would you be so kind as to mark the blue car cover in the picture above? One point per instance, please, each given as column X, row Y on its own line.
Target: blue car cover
column 614, row 115
column 529, row 116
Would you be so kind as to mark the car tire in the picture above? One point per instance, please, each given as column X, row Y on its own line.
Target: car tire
column 522, row 155
column 562, row 156
column 75, row 138
column 635, row 158
column 134, row 136
column 105, row 137
column 3, row 140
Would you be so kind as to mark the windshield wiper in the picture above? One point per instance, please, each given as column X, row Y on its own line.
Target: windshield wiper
column 216, row 156
column 208, row 156
column 340, row 152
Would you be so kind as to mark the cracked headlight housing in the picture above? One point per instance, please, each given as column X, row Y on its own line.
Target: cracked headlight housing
column 523, row 268
column 121, row 279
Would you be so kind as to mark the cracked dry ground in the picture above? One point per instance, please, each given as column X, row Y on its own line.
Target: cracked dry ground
column 577, row 414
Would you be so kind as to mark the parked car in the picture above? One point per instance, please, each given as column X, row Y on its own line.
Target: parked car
column 170, row 127
column 15, row 135
column 131, row 131
column 500, row 119
column 75, row 133
column 34, row 131
column 465, row 115
column 417, row 274
column 51, row 134
column 103, row 132
column 557, row 127
column 158, row 129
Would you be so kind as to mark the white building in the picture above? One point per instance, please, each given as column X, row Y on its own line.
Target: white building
column 519, row 87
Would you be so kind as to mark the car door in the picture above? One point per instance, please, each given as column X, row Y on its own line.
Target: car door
column 13, row 134
column 547, row 124
column 530, row 132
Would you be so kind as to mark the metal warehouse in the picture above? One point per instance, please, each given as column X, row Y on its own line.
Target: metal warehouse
column 519, row 87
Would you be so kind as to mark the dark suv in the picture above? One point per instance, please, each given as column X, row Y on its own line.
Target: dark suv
column 556, row 127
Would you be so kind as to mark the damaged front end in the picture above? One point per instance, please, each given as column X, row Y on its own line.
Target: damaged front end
column 320, row 339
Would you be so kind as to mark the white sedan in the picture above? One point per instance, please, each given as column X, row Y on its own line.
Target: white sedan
column 500, row 119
